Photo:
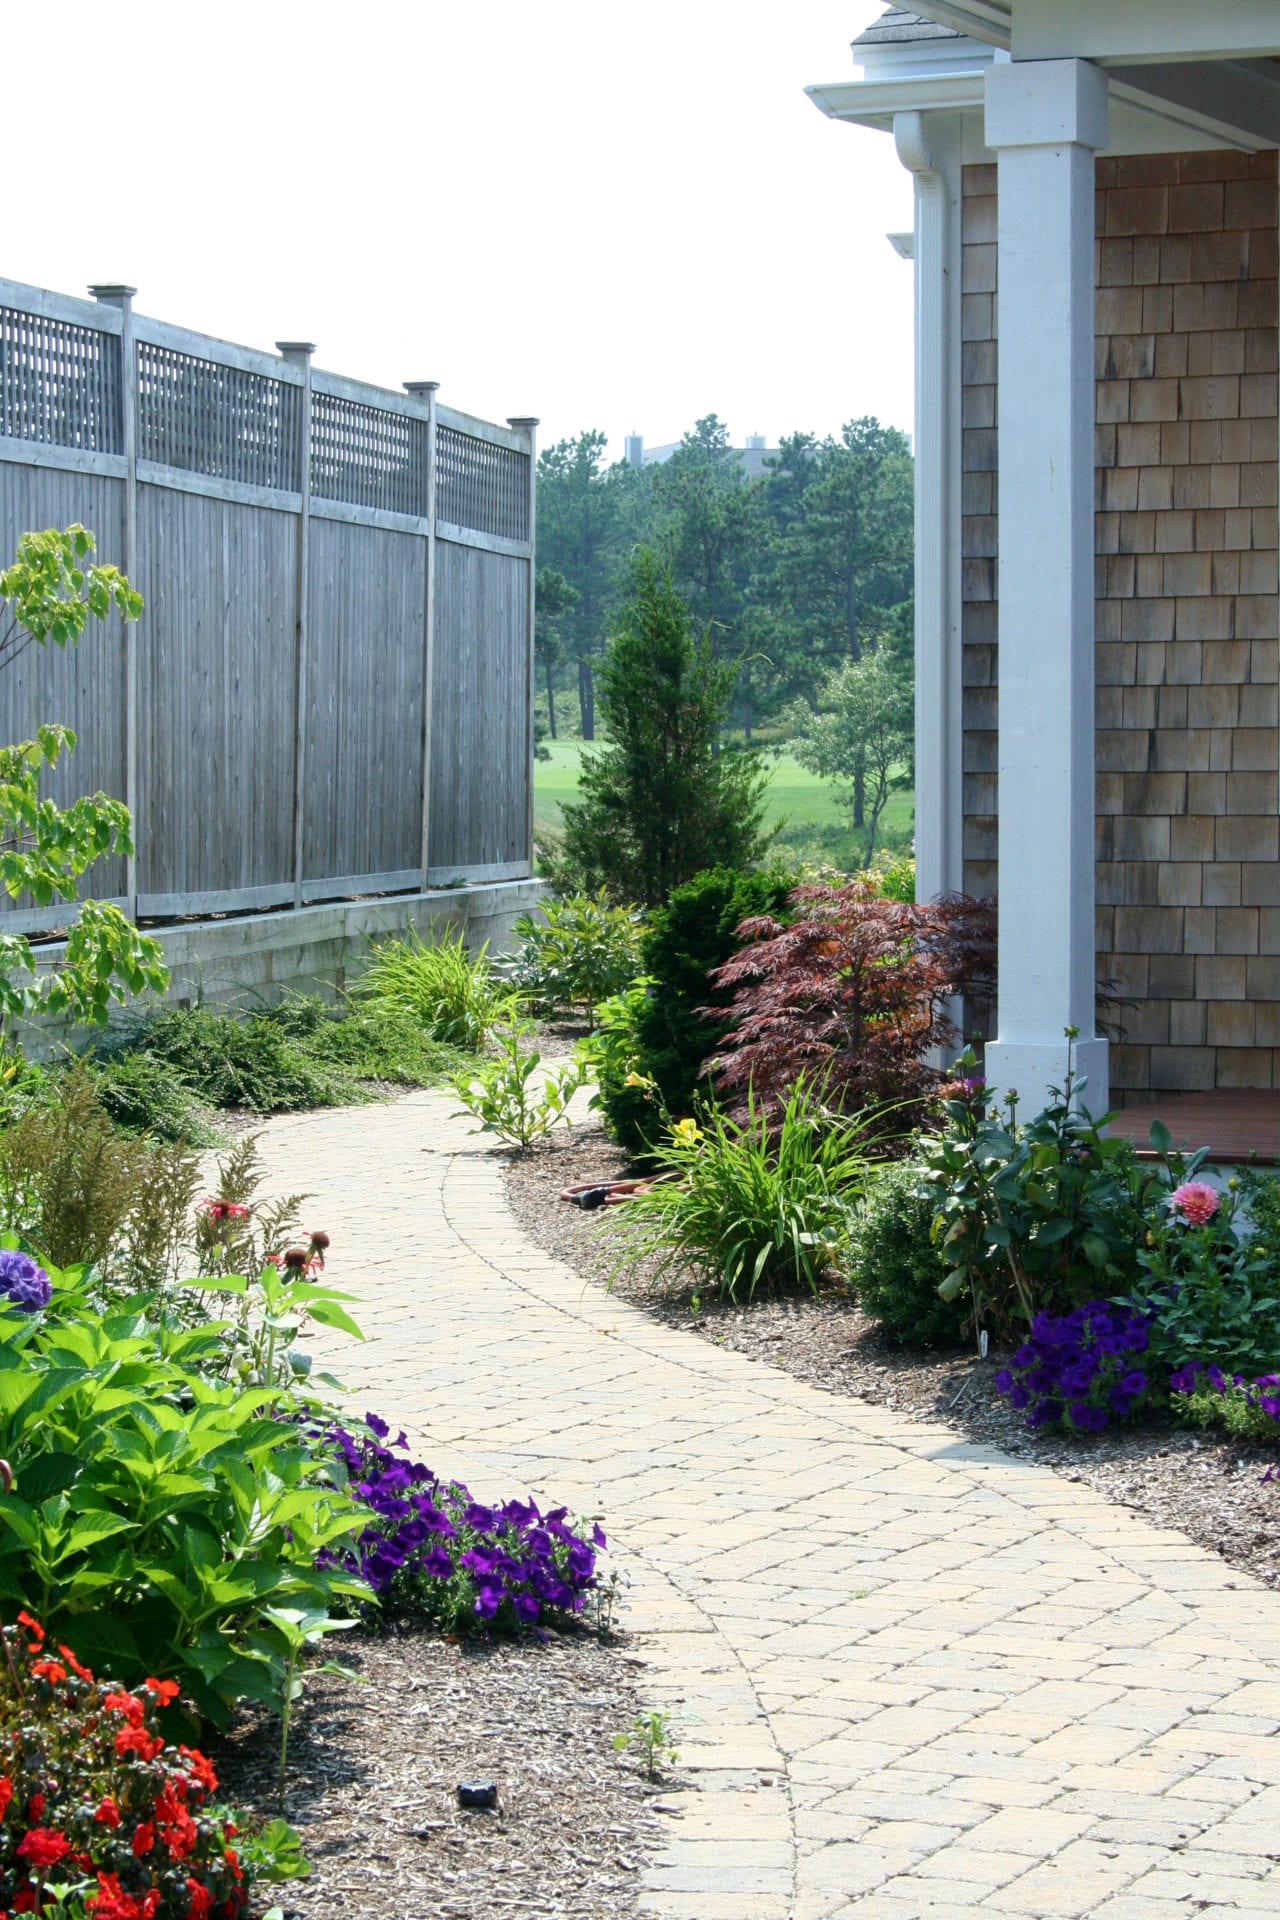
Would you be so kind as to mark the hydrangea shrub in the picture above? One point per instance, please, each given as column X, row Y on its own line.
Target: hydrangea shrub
column 430, row 1549
column 1079, row 1370
column 23, row 1284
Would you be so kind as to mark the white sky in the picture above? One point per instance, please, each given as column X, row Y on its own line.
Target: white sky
column 608, row 216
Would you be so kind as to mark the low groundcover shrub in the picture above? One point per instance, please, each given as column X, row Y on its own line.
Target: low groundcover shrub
column 434, row 1552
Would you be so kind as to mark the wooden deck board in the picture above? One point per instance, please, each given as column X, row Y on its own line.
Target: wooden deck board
column 1236, row 1123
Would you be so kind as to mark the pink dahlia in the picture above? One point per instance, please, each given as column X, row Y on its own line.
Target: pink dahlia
column 1196, row 1201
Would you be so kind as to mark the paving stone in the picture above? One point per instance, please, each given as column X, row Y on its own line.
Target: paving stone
column 1042, row 1707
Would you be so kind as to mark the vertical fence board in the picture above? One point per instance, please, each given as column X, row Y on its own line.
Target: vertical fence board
column 363, row 799
column 216, row 732
column 479, row 709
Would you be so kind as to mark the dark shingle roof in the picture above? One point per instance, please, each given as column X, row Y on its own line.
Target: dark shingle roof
column 897, row 24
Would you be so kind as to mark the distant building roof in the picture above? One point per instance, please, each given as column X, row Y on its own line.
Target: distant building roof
column 896, row 24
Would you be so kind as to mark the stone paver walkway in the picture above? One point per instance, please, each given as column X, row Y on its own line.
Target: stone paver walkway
column 910, row 1676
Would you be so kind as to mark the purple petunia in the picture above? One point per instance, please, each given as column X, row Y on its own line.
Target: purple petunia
column 431, row 1548
column 23, row 1283
column 1076, row 1369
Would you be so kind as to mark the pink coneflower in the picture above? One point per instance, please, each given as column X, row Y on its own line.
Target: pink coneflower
column 1196, row 1201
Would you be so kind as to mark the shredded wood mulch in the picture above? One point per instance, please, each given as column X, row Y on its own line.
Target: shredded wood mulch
column 375, row 1763
column 1207, row 1486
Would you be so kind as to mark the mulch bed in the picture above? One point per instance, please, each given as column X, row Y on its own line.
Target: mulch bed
column 1207, row 1486
column 374, row 1766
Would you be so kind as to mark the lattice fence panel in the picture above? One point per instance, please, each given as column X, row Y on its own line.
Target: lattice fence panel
column 59, row 383
column 218, row 420
column 481, row 486
column 367, row 456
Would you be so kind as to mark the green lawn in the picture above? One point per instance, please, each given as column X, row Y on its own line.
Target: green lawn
column 813, row 823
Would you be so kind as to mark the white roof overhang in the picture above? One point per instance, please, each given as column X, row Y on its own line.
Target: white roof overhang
column 1117, row 32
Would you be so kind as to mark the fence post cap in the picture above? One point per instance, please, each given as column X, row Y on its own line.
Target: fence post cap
column 522, row 420
column 296, row 349
column 113, row 293
column 420, row 386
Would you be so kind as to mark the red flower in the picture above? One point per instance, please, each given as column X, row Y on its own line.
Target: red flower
column 6, row 1794
column 108, row 1812
column 24, row 1900
column 201, row 1901
column 34, row 1627
column 111, row 1903
column 201, row 1770
column 50, row 1670
column 144, row 1839
column 43, row 1847
column 35, row 1808
column 294, row 1259
column 137, row 1740
column 73, row 1663
column 126, row 1703
column 165, row 1691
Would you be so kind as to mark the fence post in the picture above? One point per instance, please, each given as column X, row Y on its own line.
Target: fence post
column 121, row 297
column 526, row 424
column 426, row 390
column 298, row 353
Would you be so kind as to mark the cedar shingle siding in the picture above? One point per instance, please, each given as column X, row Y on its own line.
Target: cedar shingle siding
column 1188, row 791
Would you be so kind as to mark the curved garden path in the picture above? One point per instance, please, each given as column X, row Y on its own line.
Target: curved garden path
column 910, row 1676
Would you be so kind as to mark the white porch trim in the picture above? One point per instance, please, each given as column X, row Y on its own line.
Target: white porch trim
column 1046, row 120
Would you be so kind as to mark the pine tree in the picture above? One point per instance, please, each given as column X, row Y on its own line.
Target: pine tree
column 658, row 802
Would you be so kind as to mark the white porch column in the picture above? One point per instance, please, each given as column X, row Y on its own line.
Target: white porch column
column 1046, row 119
column 928, row 146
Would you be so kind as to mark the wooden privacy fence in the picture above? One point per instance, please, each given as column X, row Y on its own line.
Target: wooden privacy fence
column 330, row 689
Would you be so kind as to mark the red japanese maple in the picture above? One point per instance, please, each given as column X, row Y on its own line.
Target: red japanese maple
column 852, row 993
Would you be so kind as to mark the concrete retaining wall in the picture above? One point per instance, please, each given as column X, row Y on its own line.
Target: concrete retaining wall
column 252, row 958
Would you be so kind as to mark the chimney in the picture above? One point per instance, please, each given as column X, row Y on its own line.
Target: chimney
column 634, row 444
column 755, row 443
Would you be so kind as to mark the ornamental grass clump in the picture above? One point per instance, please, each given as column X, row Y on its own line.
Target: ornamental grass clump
column 433, row 1552
column 761, row 1202
column 99, row 1813
column 454, row 996
column 1080, row 1370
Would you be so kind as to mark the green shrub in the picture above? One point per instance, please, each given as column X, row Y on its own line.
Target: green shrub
column 453, row 996
column 661, row 1035
column 579, row 952
column 895, row 1269
column 233, row 1061
column 754, row 1205
column 363, row 1043
column 143, row 1093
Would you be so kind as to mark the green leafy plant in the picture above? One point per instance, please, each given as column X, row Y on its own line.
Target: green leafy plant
column 297, row 1632
column 231, row 1061
column 1037, row 1216
column 894, row 1264
column 1214, row 1297
column 48, row 594
column 512, row 1097
column 453, row 995
column 649, row 1739
column 576, row 952
column 156, row 1513
column 758, row 1203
